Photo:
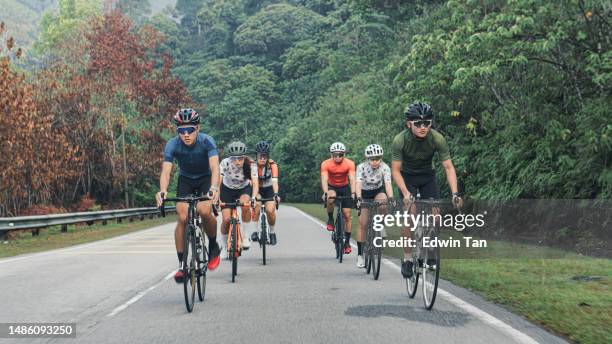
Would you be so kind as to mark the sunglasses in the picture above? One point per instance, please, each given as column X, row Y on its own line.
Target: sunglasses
column 421, row 124
column 185, row 130
column 375, row 158
column 236, row 158
column 262, row 157
column 338, row 155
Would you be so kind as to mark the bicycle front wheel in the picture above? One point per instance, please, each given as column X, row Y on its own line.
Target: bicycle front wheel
column 189, row 267
column 263, row 240
column 234, row 268
column 376, row 257
column 234, row 252
column 413, row 282
column 340, row 238
column 431, row 275
column 368, row 258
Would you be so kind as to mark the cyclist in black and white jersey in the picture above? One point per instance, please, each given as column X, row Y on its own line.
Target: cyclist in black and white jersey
column 238, row 181
column 373, row 182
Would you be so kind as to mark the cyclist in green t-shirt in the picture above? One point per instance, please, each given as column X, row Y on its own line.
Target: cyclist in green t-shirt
column 412, row 167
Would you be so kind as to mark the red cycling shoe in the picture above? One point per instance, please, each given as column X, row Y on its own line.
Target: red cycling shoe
column 179, row 276
column 347, row 249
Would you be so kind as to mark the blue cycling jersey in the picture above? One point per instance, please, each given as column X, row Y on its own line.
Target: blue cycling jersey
column 192, row 160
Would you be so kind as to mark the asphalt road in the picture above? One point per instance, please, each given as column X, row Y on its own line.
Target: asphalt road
column 120, row 291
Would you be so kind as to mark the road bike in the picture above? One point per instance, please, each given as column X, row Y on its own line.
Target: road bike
column 263, row 226
column 339, row 226
column 234, row 239
column 372, row 253
column 426, row 260
column 195, row 253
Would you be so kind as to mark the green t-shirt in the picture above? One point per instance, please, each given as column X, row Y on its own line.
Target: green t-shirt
column 415, row 154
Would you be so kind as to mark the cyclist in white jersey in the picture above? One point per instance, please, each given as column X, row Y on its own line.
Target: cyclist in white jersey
column 373, row 182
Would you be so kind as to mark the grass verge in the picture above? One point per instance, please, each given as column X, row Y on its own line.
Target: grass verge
column 570, row 295
column 52, row 237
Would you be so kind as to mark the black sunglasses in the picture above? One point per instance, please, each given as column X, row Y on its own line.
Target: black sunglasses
column 337, row 155
column 421, row 124
column 187, row 130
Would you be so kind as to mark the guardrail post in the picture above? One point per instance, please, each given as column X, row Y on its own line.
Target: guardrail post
column 89, row 223
column 141, row 217
column 35, row 232
column 64, row 228
column 119, row 220
column 104, row 222
column 151, row 216
column 131, row 218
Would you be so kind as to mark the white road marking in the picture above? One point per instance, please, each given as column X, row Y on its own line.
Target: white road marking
column 82, row 246
column 116, row 252
column 138, row 296
column 483, row 316
column 170, row 244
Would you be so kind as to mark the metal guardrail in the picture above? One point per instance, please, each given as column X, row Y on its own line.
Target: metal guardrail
column 8, row 224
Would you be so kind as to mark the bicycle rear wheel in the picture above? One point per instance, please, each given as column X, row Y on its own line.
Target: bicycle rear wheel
column 202, row 264
column 431, row 275
column 202, row 279
column 189, row 267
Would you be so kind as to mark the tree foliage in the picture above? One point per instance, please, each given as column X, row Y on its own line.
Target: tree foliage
column 521, row 88
column 95, row 120
column 276, row 28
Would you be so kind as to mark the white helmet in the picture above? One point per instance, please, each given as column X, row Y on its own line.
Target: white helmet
column 373, row 150
column 337, row 147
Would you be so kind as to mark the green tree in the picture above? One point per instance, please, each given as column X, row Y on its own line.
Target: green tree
column 58, row 31
column 275, row 28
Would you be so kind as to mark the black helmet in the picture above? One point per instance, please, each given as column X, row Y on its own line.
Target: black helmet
column 418, row 110
column 236, row 148
column 262, row 147
column 186, row 116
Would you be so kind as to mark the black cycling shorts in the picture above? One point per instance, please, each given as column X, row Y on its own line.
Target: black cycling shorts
column 267, row 192
column 231, row 195
column 423, row 184
column 343, row 191
column 187, row 186
column 371, row 194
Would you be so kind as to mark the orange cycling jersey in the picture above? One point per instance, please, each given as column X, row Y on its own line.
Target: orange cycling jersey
column 338, row 173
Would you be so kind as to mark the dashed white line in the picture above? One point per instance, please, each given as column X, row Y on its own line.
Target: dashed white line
column 77, row 253
column 138, row 296
column 483, row 316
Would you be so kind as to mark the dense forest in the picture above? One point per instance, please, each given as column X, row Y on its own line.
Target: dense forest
column 521, row 90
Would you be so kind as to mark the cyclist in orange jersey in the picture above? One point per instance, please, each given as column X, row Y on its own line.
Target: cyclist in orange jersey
column 338, row 179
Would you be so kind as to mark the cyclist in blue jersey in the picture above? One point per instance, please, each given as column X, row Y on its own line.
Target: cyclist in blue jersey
column 198, row 160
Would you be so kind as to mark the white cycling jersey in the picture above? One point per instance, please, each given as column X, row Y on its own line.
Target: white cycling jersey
column 233, row 175
column 372, row 179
